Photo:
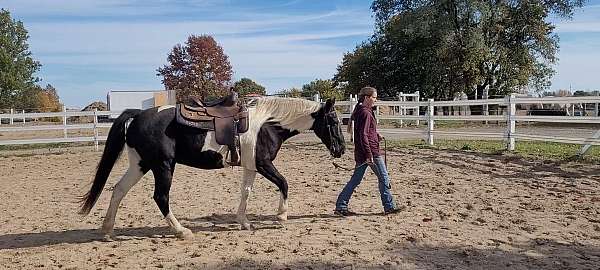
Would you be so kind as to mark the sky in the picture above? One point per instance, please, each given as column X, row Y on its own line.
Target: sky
column 88, row 47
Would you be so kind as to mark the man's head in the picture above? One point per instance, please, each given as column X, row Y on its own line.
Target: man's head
column 367, row 96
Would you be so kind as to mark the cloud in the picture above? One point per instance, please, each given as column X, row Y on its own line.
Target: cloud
column 578, row 27
column 88, row 47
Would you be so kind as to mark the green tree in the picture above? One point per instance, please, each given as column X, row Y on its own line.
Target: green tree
column 325, row 88
column 247, row 86
column 16, row 64
column 440, row 47
column 292, row 92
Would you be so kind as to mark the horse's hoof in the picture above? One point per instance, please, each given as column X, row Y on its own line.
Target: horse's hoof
column 282, row 217
column 247, row 226
column 108, row 238
column 185, row 234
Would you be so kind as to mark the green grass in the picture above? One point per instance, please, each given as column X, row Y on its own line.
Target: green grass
column 525, row 149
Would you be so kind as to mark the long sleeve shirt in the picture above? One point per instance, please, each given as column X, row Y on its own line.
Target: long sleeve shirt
column 366, row 140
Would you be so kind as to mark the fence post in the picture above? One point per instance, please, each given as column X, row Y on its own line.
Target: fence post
column 430, row 112
column 353, row 102
column 486, row 108
column 96, row 128
column 417, row 99
column 377, row 113
column 65, row 121
column 510, row 124
column 11, row 119
column 23, row 111
column 401, row 96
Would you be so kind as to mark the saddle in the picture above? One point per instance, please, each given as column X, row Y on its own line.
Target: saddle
column 224, row 116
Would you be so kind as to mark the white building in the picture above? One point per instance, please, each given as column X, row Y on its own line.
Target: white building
column 119, row 100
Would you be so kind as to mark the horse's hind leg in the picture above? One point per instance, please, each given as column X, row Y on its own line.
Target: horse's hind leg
column 163, row 176
column 129, row 179
column 246, row 188
column 268, row 170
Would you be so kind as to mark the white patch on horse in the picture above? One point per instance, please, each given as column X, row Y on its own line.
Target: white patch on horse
column 282, row 214
column 290, row 113
column 127, row 123
column 162, row 108
column 246, row 188
column 210, row 143
column 180, row 231
column 129, row 179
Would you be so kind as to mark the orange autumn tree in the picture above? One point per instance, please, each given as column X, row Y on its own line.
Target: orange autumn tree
column 199, row 68
column 48, row 99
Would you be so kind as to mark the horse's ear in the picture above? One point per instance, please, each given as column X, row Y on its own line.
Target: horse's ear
column 329, row 105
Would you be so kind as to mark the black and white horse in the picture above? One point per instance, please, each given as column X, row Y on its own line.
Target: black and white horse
column 156, row 142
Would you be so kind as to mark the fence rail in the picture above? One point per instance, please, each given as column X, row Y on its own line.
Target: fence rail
column 65, row 126
column 430, row 107
column 508, row 116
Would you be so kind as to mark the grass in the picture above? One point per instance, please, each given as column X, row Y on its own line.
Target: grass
column 525, row 149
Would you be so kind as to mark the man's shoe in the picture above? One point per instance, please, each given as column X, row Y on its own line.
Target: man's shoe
column 394, row 210
column 344, row 212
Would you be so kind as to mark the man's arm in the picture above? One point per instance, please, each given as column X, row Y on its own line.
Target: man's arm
column 367, row 120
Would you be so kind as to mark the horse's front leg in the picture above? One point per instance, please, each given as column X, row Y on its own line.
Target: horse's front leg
column 268, row 170
column 246, row 188
column 282, row 212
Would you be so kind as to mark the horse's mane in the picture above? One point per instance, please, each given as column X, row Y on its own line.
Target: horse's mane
column 289, row 112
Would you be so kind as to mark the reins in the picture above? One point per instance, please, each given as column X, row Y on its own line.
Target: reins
column 385, row 151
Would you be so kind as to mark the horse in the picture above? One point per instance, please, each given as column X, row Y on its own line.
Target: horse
column 155, row 142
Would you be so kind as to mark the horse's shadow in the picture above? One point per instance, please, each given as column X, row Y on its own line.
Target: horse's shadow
column 257, row 220
column 211, row 223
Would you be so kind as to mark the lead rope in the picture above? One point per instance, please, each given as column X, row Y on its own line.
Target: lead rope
column 385, row 152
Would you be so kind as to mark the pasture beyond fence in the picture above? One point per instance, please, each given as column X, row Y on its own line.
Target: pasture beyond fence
column 428, row 111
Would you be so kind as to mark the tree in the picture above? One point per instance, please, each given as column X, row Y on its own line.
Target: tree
column 16, row 64
column 292, row 92
column 48, row 99
column 563, row 93
column 247, row 86
column 325, row 88
column 200, row 68
column 440, row 47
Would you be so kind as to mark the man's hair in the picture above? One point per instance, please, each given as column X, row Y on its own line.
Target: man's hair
column 366, row 92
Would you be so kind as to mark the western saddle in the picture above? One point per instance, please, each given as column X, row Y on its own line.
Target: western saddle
column 225, row 117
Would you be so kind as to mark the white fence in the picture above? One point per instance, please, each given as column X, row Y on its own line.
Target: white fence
column 509, row 117
column 15, row 118
column 510, row 135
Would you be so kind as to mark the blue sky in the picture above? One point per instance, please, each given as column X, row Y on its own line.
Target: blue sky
column 90, row 47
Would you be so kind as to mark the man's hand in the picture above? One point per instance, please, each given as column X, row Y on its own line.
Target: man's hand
column 380, row 137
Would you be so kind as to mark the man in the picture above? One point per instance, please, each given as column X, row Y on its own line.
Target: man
column 366, row 154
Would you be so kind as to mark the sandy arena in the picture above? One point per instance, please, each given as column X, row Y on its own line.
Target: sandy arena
column 464, row 211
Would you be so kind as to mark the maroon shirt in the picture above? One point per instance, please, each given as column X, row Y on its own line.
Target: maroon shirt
column 366, row 140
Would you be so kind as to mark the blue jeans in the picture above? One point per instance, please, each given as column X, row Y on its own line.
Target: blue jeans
column 384, row 185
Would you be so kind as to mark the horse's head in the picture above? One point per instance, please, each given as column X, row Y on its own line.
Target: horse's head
column 328, row 128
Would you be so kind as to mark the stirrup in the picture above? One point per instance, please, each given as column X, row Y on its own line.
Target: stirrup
column 231, row 162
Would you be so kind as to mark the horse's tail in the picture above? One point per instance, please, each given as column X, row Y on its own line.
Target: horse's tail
column 112, row 151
